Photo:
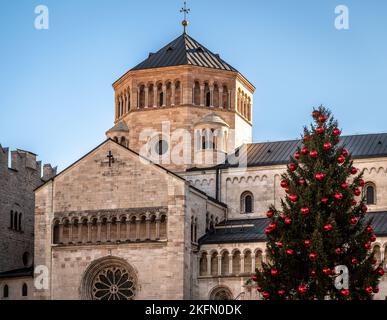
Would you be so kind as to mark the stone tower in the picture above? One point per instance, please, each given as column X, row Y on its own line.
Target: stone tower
column 183, row 107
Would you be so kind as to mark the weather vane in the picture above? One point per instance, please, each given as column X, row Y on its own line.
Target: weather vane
column 186, row 11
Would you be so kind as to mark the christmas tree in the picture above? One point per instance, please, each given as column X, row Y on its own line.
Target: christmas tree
column 322, row 225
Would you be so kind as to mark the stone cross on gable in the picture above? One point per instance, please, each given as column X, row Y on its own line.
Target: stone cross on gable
column 111, row 158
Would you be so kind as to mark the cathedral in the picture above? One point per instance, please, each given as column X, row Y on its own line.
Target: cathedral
column 172, row 204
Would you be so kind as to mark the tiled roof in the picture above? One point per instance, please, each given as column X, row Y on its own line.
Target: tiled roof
column 253, row 230
column 18, row 273
column 120, row 126
column 184, row 51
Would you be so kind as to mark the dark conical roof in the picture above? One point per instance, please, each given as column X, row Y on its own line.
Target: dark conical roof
column 184, row 51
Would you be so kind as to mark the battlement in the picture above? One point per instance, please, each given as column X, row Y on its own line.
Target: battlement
column 22, row 161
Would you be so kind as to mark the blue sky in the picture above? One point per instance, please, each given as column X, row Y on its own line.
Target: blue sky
column 56, row 97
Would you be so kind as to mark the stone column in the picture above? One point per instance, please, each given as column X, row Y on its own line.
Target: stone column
column 211, row 96
column 219, row 264
column 193, row 95
column 158, row 229
column 138, row 98
column 99, row 231
column 155, row 96
column 230, row 264
column 147, row 229
column 80, row 232
column 118, row 230
column 173, row 90
column 252, row 262
column 146, row 90
column 208, row 265
column 202, row 87
column 109, row 225
column 89, row 226
column 138, row 229
column 127, row 102
column 164, row 95
column 128, row 229
column 71, row 232
column 61, row 233
column 221, row 97
column 242, row 264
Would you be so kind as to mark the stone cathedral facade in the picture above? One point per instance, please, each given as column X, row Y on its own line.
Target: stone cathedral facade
column 172, row 205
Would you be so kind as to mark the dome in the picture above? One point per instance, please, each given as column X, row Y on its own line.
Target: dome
column 119, row 127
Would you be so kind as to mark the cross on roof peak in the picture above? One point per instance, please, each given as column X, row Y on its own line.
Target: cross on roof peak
column 185, row 11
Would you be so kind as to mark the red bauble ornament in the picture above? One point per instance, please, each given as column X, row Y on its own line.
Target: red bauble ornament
column 380, row 272
column 324, row 200
column 322, row 118
column 287, row 190
column 270, row 214
column 341, row 160
column 254, row 278
column 302, row 182
column 376, row 289
column 313, row 273
column 338, row 251
column 344, row 152
column 320, row 130
column 314, row 154
column 307, row 243
column 364, row 208
column 315, row 114
column 281, row 292
column 327, row 146
column 274, row 272
column 373, row 238
column 339, row 196
column 266, row 295
column 305, row 211
column 302, row 289
column 268, row 230
column 354, row 260
column 361, row 183
column 284, row 184
column 288, row 221
column 357, row 192
column 307, row 138
column 336, row 132
column 293, row 198
column 313, row 256
column 290, row 252
column 273, row 226
column 327, row 271
column 345, row 292
column 292, row 167
column 297, row 155
column 369, row 290
column 370, row 229
column 354, row 220
column 259, row 289
column 344, row 186
column 320, row 176
column 305, row 151
column 353, row 170
column 279, row 244
column 328, row 227
column 354, row 203
column 367, row 245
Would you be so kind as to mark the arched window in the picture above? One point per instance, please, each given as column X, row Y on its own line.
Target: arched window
column 11, row 220
column 55, row 236
column 208, row 99
column 141, row 98
column 203, row 264
column 216, row 96
column 26, row 259
column 5, row 291
column 132, row 229
column 161, row 99
column 177, row 93
column 168, row 98
column 196, row 94
column 370, row 194
column 143, row 234
column 225, row 99
column 24, row 290
column 163, row 227
column 225, row 267
column 214, row 264
column 236, row 262
column 258, row 259
column 221, row 294
column 247, row 262
column 152, row 228
column 378, row 255
column 247, row 202
column 15, row 221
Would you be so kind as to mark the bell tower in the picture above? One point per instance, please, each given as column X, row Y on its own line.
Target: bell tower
column 183, row 106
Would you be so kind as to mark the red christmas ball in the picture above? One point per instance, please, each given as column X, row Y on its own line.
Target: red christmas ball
column 354, row 260
column 315, row 114
column 273, row 226
column 305, row 151
column 328, row 227
column 339, row 196
column 357, row 192
column 290, row 252
column 336, row 132
column 341, row 159
column 376, row 289
column 353, row 171
column 314, row 154
column 302, row 182
column 268, row 230
column 373, row 238
column 320, row 176
column 292, row 167
column 287, row 190
column 259, row 289
column 283, row 216
column 338, row 251
column 354, row 220
column 369, row 290
column 270, row 214
column 367, row 245
column 361, row 183
column 302, row 289
column 345, row 292
column 305, row 211
column 313, row 256
column 281, row 292
column 380, row 272
column 288, row 221
column 364, row 208
column 322, row 118
column 254, row 278
column 313, row 273
column 284, row 184
column 344, row 186
column 327, row 146
column 327, row 271
column 370, row 229
column 293, row 198
column 307, row 243
column 324, row 200
column 344, row 152
column 266, row 295
column 354, row 203
column 320, row 130
column 297, row 155
column 279, row 244
column 274, row 272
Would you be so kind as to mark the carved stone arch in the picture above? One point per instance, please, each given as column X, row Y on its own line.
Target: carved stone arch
column 197, row 182
column 221, row 293
column 204, row 182
column 380, row 170
column 366, row 171
column 264, row 177
column 235, row 180
column 242, row 179
column 250, row 179
column 109, row 278
column 373, row 170
column 228, row 180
